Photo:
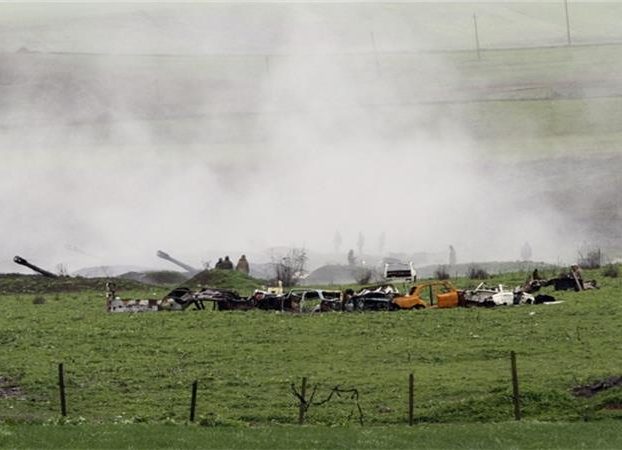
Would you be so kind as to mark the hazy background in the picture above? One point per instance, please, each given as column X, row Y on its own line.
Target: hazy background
column 212, row 129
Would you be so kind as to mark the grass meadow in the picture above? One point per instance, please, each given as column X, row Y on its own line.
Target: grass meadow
column 138, row 368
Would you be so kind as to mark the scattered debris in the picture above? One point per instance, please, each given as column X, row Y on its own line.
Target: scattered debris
column 484, row 295
column 373, row 298
column 9, row 388
column 589, row 390
column 438, row 294
column 567, row 281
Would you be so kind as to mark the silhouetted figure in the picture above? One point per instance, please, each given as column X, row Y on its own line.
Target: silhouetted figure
column 242, row 265
column 535, row 275
column 452, row 255
column 227, row 264
column 219, row 264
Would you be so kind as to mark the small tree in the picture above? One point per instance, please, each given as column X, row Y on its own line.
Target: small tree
column 441, row 273
column 363, row 275
column 475, row 272
column 290, row 268
column 611, row 271
column 591, row 259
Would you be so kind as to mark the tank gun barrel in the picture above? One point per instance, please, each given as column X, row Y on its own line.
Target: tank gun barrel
column 167, row 257
column 22, row 262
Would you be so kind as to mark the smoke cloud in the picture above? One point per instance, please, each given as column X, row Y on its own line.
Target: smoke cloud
column 219, row 129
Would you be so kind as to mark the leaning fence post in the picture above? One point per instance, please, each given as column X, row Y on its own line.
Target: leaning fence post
column 193, row 400
column 302, row 407
column 515, row 393
column 61, row 386
column 411, row 399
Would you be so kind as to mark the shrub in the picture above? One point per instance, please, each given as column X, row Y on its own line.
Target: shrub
column 591, row 259
column 475, row 272
column 363, row 275
column 441, row 273
column 38, row 300
column 611, row 271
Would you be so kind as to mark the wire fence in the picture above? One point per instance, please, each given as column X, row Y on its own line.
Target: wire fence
column 302, row 399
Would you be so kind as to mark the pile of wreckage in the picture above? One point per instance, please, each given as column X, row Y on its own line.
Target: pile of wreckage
column 380, row 297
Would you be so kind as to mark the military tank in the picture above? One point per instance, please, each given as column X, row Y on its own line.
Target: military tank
column 22, row 262
column 191, row 270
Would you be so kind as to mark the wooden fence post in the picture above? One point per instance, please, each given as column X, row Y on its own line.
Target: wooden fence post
column 61, row 386
column 515, row 392
column 411, row 399
column 303, row 399
column 193, row 400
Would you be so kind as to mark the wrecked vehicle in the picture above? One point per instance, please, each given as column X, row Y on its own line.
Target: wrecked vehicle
column 438, row 294
column 372, row 298
column 318, row 300
column 179, row 299
column 175, row 300
column 565, row 281
column 275, row 302
column 404, row 272
column 484, row 295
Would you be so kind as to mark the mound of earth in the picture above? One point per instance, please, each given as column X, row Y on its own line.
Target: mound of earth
column 157, row 277
column 225, row 279
column 331, row 274
column 37, row 284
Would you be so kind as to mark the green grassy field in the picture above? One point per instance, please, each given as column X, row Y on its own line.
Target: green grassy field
column 130, row 368
column 538, row 435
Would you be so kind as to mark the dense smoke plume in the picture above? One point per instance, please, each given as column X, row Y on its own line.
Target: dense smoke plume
column 197, row 130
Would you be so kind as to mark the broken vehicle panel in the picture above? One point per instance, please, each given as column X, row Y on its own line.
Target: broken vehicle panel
column 484, row 295
column 373, row 298
column 400, row 272
column 318, row 300
column 439, row 294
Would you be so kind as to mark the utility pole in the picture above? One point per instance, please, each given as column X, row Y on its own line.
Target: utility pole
column 479, row 56
column 567, row 22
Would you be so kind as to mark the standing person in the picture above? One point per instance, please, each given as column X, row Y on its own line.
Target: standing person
column 242, row 265
column 227, row 264
column 219, row 264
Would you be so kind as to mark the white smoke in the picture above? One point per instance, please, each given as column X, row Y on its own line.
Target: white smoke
column 319, row 128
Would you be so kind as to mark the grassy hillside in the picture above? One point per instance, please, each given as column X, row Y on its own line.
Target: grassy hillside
column 139, row 367
column 464, row 436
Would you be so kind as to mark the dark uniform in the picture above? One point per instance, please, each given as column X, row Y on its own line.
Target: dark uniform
column 227, row 264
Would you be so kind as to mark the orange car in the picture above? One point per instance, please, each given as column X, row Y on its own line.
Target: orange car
column 431, row 294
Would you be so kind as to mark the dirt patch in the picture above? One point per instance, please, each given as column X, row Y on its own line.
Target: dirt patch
column 589, row 390
column 9, row 388
column 614, row 406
